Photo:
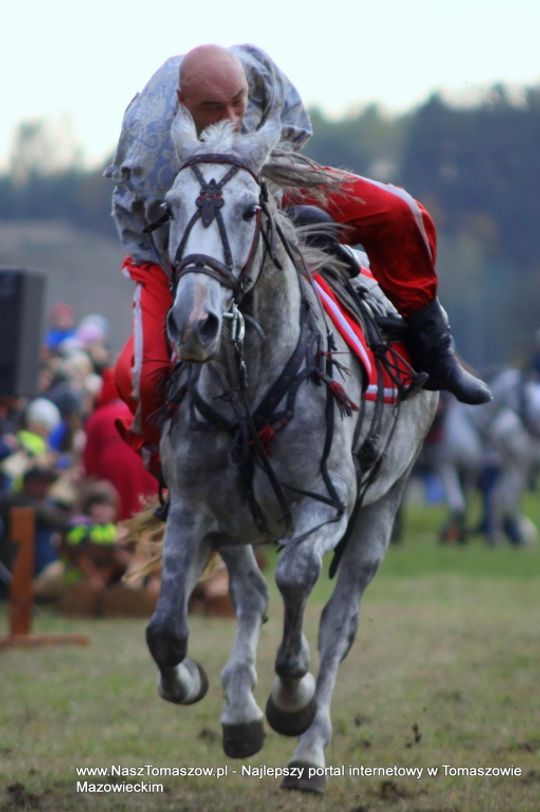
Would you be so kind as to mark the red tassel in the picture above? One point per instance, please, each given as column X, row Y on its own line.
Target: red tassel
column 345, row 404
column 265, row 436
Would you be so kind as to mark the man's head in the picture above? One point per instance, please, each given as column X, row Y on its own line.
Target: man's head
column 37, row 482
column 213, row 86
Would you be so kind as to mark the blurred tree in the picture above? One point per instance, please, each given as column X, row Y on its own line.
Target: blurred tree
column 42, row 147
column 367, row 142
column 477, row 163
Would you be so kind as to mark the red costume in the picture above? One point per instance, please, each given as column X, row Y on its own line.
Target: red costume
column 106, row 456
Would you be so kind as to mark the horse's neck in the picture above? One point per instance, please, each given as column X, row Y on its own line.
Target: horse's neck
column 274, row 303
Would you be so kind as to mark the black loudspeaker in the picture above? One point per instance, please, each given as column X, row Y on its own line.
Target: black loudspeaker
column 22, row 302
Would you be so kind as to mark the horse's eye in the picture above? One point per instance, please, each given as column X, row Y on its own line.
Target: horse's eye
column 167, row 211
column 161, row 220
column 250, row 212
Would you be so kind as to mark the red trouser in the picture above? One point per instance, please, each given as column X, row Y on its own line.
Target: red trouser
column 397, row 233
column 144, row 362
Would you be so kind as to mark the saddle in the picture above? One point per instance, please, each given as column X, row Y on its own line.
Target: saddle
column 365, row 318
column 371, row 326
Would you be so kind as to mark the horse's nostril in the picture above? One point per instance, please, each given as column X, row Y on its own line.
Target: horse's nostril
column 172, row 329
column 208, row 329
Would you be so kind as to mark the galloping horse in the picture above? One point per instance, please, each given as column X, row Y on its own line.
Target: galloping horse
column 262, row 443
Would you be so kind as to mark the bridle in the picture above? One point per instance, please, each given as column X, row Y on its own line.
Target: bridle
column 209, row 204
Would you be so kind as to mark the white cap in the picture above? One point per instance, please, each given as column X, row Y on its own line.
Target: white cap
column 43, row 412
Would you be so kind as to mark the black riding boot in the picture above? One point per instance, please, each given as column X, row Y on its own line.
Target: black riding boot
column 431, row 346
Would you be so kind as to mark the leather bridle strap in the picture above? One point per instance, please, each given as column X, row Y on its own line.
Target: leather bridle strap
column 217, row 158
column 209, row 204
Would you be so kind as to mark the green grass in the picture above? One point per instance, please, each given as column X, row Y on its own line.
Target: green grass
column 444, row 671
column 420, row 554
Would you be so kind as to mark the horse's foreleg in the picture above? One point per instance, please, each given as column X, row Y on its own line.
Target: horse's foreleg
column 362, row 556
column 243, row 731
column 181, row 680
column 291, row 705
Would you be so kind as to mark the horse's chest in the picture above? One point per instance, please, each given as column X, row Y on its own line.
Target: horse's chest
column 225, row 475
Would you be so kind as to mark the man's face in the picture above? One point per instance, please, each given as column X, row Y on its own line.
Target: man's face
column 209, row 104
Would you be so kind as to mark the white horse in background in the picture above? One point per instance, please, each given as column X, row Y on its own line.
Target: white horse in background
column 503, row 435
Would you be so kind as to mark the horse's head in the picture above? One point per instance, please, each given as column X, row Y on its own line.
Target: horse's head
column 215, row 236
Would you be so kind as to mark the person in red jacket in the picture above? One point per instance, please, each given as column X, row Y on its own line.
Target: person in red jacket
column 397, row 233
column 107, row 457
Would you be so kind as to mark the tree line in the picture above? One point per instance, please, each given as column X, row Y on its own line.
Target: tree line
column 476, row 168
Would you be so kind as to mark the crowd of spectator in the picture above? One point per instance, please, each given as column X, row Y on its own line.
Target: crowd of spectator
column 61, row 455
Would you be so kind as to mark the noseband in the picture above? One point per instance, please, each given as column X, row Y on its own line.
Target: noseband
column 209, row 205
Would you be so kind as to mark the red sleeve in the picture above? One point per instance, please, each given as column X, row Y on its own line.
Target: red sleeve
column 397, row 233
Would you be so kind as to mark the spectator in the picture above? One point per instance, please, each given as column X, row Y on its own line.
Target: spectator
column 92, row 334
column 61, row 326
column 11, row 421
column 90, row 546
column 50, row 518
column 40, row 419
column 107, row 457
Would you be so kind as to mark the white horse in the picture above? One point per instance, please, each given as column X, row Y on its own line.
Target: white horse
column 263, row 444
column 503, row 434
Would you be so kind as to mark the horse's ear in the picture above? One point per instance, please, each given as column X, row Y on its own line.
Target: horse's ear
column 259, row 145
column 184, row 133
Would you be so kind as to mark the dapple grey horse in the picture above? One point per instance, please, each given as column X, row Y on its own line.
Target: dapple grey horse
column 257, row 367
column 504, row 435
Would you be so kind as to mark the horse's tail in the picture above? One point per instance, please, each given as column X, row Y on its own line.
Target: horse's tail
column 145, row 531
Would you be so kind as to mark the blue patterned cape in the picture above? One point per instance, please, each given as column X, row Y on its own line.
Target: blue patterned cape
column 145, row 163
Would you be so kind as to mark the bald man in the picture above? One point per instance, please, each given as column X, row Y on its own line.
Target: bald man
column 213, row 87
column 242, row 84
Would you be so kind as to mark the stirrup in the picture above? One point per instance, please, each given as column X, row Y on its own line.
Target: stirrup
column 419, row 379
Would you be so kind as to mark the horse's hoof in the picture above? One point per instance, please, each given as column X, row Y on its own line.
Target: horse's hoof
column 169, row 694
column 241, row 741
column 203, row 688
column 290, row 724
column 306, row 782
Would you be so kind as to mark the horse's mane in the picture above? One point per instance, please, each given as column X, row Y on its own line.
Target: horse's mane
column 287, row 171
column 284, row 168
column 291, row 172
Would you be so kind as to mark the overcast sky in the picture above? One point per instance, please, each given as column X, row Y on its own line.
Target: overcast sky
column 85, row 60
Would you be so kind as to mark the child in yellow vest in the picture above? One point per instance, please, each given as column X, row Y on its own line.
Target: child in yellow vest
column 90, row 546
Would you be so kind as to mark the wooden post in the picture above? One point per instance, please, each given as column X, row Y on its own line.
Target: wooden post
column 23, row 532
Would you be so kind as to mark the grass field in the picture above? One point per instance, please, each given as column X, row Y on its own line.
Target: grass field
column 445, row 671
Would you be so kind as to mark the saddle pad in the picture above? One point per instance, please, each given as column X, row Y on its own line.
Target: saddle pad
column 396, row 370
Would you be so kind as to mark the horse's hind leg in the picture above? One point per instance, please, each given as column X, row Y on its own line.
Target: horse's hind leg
column 364, row 552
column 181, row 680
column 242, row 719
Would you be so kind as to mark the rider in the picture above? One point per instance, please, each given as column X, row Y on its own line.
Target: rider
column 242, row 84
